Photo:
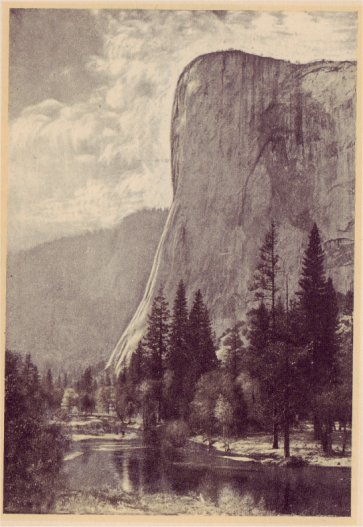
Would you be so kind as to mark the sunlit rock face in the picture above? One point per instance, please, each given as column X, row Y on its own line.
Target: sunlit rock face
column 254, row 139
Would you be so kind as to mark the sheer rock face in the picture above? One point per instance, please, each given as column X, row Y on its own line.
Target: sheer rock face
column 255, row 139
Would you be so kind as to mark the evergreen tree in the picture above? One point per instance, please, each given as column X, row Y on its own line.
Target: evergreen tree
column 265, row 276
column 312, row 297
column 156, row 346
column 200, row 340
column 107, row 379
column 127, row 396
column 136, row 370
column 156, row 342
column 259, row 335
column 277, row 363
column 49, row 380
column 329, row 342
column 234, row 346
column 311, row 306
column 263, row 322
column 178, row 360
column 318, row 308
column 349, row 302
column 86, row 387
column 262, row 364
column 49, row 390
column 207, row 337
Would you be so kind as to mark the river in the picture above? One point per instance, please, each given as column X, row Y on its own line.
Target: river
column 139, row 468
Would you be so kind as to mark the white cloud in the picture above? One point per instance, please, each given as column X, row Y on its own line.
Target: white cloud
column 88, row 164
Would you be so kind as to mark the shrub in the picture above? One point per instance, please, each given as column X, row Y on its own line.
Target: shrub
column 177, row 433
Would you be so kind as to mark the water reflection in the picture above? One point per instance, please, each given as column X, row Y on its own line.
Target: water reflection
column 135, row 473
column 233, row 487
column 87, row 452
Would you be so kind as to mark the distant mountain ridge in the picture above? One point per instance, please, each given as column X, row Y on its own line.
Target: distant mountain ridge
column 69, row 299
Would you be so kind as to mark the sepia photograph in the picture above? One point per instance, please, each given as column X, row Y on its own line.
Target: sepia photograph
column 179, row 265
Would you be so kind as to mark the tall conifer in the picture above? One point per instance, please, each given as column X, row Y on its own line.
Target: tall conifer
column 265, row 276
column 156, row 344
column 136, row 370
column 312, row 295
column 156, row 340
column 330, row 342
column 200, row 339
column 234, row 346
column 178, row 360
column 318, row 310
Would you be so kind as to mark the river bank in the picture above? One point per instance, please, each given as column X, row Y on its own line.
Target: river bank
column 128, row 474
column 257, row 448
column 254, row 448
column 116, row 501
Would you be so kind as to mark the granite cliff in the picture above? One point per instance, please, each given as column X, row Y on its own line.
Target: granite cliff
column 252, row 139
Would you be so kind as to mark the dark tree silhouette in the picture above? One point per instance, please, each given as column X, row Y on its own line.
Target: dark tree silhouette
column 178, row 360
column 318, row 311
column 234, row 350
column 156, row 345
column 265, row 276
column 200, row 339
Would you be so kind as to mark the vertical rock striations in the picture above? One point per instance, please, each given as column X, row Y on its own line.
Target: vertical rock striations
column 253, row 139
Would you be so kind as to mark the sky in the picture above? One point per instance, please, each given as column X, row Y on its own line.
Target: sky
column 90, row 102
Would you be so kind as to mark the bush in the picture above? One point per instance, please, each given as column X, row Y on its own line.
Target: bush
column 177, row 433
column 295, row 462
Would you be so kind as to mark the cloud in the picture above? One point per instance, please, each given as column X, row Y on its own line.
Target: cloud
column 81, row 165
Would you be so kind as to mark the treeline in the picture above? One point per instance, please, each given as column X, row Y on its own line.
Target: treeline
column 302, row 364
column 33, row 447
column 175, row 352
column 36, row 407
column 93, row 391
column 296, row 354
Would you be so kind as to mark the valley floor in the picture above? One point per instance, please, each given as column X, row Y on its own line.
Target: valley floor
column 258, row 448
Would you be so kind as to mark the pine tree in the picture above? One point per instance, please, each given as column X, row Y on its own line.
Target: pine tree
column 235, row 348
column 136, row 369
column 329, row 342
column 312, row 297
column 178, row 360
column 200, row 340
column 207, row 337
column 318, row 308
column 48, row 387
column 312, row 294
column 86, row 386
column 156, row 345
column 259, row 335
column 262, row 364
column 265, row 276
column 156, row 342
